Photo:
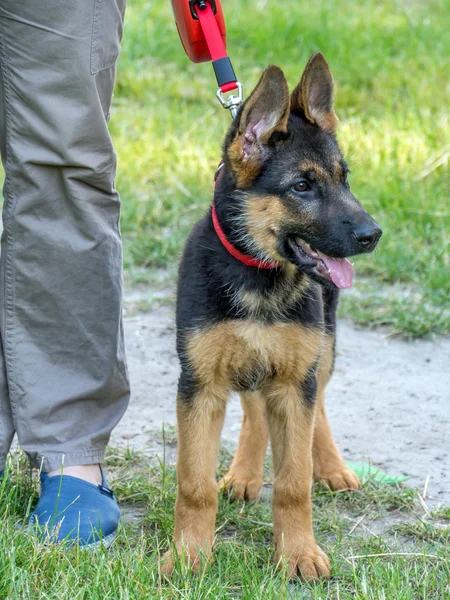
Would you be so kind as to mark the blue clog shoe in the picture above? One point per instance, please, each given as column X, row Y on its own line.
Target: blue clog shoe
column 75, row 511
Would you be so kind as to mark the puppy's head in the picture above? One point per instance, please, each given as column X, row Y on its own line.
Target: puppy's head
column 295, row 204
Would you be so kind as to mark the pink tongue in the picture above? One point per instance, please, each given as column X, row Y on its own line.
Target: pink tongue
column 341, row 270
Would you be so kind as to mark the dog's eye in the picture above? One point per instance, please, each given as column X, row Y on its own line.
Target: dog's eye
column 301, row 186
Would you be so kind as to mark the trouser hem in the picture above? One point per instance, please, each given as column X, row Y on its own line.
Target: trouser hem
column 52, row 461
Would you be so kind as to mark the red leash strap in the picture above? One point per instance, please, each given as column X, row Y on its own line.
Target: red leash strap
column 223, row 68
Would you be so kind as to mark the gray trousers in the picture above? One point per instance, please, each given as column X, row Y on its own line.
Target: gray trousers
column 63, row 377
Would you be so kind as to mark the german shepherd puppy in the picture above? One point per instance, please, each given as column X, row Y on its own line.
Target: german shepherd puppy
column 282, row 201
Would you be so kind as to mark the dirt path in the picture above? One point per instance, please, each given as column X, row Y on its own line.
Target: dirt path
column 389, row 400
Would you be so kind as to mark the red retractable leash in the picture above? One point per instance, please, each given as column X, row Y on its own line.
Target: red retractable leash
column 202, row 30
column 201, row 27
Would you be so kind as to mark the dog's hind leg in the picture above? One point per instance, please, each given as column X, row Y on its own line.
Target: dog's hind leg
column 200, row 419
column 291, row 423
column 328, row 465
column 245, row 476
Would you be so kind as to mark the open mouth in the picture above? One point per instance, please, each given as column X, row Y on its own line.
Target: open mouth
column 337, row 270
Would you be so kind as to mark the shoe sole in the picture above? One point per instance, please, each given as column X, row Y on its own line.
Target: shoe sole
column 106, row 541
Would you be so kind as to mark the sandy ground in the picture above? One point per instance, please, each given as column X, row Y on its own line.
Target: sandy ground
column 388, row 401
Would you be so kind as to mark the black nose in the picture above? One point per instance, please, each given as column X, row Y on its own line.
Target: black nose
column 367, row 236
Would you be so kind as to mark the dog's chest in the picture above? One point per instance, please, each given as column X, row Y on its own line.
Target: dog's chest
column 245, row 355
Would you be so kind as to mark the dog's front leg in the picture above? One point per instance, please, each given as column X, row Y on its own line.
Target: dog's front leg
column 245, row 477
column 200, row 419
column 291, row 424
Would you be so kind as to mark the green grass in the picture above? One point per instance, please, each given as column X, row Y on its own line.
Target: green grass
column 389, row 60
column 390, row 554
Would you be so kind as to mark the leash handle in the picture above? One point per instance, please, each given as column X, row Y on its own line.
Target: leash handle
column 201, row 27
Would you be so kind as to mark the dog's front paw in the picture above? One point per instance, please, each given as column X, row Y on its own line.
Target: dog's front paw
column 308, row 563
column 193, row 557
column 341, row 479
column 242, row 485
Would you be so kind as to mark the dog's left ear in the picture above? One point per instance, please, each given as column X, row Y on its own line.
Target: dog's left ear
column 314, row 94
column 265, row 113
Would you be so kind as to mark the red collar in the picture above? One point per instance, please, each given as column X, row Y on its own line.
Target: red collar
column 243, row 258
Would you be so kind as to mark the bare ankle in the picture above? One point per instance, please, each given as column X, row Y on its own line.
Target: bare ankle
column 89, row 473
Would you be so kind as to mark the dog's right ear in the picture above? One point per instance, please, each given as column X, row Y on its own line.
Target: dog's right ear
column 265, row 112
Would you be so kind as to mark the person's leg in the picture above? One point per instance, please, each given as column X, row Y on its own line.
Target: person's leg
column 61, row 250
column 6, row 422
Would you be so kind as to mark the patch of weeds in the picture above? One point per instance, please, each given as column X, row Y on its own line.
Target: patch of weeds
column 426, row 531
column 167, row 434
column 18, row 490
column 442, row 513
column 141, row 278
column 407, row 312
column 374, row 498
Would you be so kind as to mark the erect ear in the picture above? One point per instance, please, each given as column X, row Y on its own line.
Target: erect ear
column 265, row 112
column 314, row 94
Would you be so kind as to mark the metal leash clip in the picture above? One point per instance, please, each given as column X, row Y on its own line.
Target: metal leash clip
column 233, row 102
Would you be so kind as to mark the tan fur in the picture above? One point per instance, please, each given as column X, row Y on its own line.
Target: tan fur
column 264, row 216
column 283, row 355
column 338, row 171
column 291, row 424
column 269, row 105
column 326, row 121
column 245, row 477
column 269, row 99
column 199, row 428
column 321, row 175
column 222, row 353
column 329, row 466
column 246, row 171
column 278, row 303
column 309, row 95
column 309, row 165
